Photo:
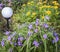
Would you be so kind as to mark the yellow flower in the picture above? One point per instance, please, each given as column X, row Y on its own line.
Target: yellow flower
column 45, row 6
column 28, row 3
column 40, row 7
column 48, row 6
column 33, row 13
column 24, row 4
column 28, row 13
column 56, row 7
column 39, row 3
column 42, row 17
column 44, row 2
column 32, row 1
column 57, row 13
column 55, row 3
column 48, row 12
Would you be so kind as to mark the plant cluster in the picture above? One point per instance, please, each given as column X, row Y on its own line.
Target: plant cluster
column 33, row 28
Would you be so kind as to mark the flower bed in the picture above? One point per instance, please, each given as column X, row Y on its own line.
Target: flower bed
column 33, row 28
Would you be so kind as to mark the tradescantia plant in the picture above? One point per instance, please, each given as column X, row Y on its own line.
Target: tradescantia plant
column 33, row 29
column 31, row 37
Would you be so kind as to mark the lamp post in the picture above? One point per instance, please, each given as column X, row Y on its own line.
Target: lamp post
column 7, row 12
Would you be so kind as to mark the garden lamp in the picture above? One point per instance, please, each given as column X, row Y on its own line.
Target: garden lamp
column 7, row 12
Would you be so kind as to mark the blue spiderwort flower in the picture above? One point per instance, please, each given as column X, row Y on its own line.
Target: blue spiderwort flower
column 45, row 36
column 20, row 38
column 36, row 30
column 9, row 38
column 55, row 40
column 19, row 43
column 2, row 43
column 1, row 5
column 55, row 34
column 35, row 43
column 30, row 33
column 30, row 26
column 7, row 32
column 45, row 25
column 37, row 22
column 0, row 8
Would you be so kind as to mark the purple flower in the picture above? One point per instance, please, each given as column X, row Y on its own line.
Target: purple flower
column 7, row 33
column 20, row 43
column 45, row 25
column 55, row 40
column 1, row 5
column 30, row 26
column 37, row 22
column 35, row 43
column 2, row 43
column 20, row 39
column 30, row 33
column 45, row 36
column 36, row 30
column 9, row 38
column 55, row 34
column 47, row 17
column 0, row 8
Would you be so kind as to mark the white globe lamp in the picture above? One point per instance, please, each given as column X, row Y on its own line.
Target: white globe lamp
column 7, row 12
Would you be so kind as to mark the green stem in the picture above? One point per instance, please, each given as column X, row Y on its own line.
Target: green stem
column 27, row 49
column 27, row 46
column 35, row 49
column 45, row 46
column 44, row 41
column 56, row 47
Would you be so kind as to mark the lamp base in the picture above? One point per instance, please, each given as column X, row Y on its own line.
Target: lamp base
column 7, row 25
